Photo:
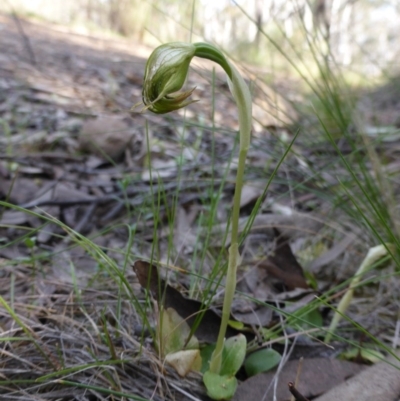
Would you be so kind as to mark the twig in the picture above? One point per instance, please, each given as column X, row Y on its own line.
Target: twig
column 296, row 382
column 86, row 217
column 295, row 393
column 185, row 393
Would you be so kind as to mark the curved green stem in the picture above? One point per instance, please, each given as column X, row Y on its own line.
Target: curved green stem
column 205, row 50
column 166, row 72
column 242, row 97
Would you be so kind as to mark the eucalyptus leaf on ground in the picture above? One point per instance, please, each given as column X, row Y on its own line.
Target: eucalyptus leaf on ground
column 180, row 353
column 174, row 333
column 380, row 382
column 188, row 309
column 318, row 375
column 185, row 361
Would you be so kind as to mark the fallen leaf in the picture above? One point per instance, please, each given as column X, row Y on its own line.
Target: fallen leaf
column 257, row 315
column 250, row 193
column 283, row 265
column 185, row 361
column 279, row 269
column 174, row 333
column 318, row 375
column 160, row 168
column 293, row 226
column 188, row 309
column 12, row 217
column 183, row 234
column 173, row 336
column 57, row 192
column 333, row 253
column 380, row 382
column 18, row 191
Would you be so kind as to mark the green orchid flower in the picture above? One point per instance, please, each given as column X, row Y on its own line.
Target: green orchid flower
column 165, row 74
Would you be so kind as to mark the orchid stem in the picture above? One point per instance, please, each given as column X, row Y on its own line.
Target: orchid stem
column 165, row 74
column 216, row 361
column 242, row 97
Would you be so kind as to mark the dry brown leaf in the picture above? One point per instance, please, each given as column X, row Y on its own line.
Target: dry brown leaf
column 252, row 314
column 46, row 233
column 380, row 382
column 283, row 265
column 333, row 253
column 250, row 193
column 293, row 226
column 58, row 191
column 73, row 265
column 188, row 309
column 183, row 235
column 160, row 168
column 13, row 218
column 265, row 279
column 185, row 361
column 18, row 191
column 318, row 375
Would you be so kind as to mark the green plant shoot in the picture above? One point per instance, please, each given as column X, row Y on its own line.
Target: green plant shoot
column 165, row 74
column 374, row 254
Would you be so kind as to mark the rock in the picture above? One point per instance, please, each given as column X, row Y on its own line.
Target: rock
column 105, row 136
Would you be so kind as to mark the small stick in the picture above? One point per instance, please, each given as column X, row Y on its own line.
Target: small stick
column 296, row 382
column 295, row 393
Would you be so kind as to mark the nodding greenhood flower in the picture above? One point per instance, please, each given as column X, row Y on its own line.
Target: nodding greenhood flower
column 165, row 74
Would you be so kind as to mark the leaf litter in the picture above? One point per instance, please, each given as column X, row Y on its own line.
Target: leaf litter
column 70, row 152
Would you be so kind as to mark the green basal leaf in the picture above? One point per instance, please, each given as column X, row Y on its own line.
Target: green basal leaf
column 233, row 355
column 220, row 387
column 236, row 325
column 307, row 320
column 311, row 279
column 206, row 354
column 367, row 354
column 313, row 319
column 261, row 361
